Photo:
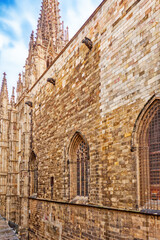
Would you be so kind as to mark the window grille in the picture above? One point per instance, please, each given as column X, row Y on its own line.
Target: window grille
column 35, row 180
column 149, row 155
column 33, row 169
column 79, row 166
column 52, row 184
column 82, row 169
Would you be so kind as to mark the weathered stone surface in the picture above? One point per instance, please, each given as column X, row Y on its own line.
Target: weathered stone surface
column 6, row 233
column 98, row 93
column 58, row 221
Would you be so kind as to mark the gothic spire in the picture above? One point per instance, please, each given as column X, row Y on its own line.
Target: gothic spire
column 31, row 44
column 51, row 37
column 50, row 26
column 31, row 48
column 4, row 90
column 19, row 85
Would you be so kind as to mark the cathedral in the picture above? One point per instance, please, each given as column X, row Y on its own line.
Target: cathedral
column 80, row 139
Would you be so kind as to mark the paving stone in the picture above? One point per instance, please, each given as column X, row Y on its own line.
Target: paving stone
column 6, row 233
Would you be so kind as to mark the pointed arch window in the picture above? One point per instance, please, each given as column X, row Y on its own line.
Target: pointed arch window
column 149, row 157
column 79, row 166
column 33, row 167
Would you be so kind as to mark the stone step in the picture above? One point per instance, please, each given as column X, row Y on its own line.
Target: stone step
column 8, row 238
column 5, row 230
column 6, row 233
column 2, row 226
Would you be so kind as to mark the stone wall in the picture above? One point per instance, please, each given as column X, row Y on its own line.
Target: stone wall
column 49, row 220
column 59, row 111
column 8, row 160
column 23, row 155
column 4, row 152
column 129, row 78
column 98, row 93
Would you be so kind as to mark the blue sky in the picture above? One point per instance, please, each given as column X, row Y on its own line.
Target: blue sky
column 19, row 17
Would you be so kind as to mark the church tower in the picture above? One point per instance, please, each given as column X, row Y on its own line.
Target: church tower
column 4, row 144
column 50, row 39
column 8, row 160
column 44, row 47
column 16, row 118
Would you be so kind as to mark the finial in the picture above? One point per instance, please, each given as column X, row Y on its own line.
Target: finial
column 63, row 27
column 32, row 35
column 67, row 34
column 19, row 83
column 20, row 77
column 13, row 91
column 4, row 75
column 4, row 82
column 63, row 32
column 4, row 89
column 13, row 96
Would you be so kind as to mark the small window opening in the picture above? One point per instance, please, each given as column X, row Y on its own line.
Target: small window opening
column 35, row 180
column 52, row 184
column 33, row 174
column 48, row 63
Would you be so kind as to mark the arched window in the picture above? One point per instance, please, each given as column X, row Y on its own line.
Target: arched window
column 79, row 166
column 33, row 167
column 149, row 157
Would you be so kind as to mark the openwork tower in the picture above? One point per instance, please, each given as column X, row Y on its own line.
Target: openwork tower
column 50, row 39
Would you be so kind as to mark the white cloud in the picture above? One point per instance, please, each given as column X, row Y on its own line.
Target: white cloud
column 4, row 40
column 78, row 12
column 12, row 23
column 13, row 44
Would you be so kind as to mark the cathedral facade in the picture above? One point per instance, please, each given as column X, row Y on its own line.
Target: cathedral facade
column 80, row 146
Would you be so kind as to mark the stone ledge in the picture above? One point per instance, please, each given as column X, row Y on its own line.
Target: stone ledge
column 144, row 211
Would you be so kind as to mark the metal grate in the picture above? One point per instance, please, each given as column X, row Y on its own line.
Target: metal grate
column 154, row 155
column 149, row 154
column 33, row 169
column 82, row 169
column 35, row 180
column 52, row 185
